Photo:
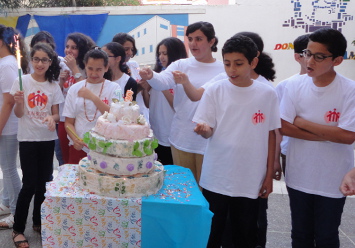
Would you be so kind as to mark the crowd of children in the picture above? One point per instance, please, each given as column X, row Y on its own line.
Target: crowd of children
column 224, row 120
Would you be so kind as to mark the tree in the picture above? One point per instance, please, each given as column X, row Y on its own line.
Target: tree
column 15, row 4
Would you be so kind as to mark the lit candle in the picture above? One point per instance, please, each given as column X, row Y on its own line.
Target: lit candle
column 18, row 56
column 129, row 96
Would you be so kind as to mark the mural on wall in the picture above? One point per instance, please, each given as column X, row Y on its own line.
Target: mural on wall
column 312, row 15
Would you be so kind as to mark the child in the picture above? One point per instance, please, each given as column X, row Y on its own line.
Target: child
column 299, row 44
column 119, row 71
column 239, row 116
column 129, row 45
column 161, row 102
column 8, row 123
column 37, row 106
column 77, row 45
column 86, row 100
column 187, row 147
column 317, row 112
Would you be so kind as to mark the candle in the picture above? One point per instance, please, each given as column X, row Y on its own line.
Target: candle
column 18, row 57
column 129, row 96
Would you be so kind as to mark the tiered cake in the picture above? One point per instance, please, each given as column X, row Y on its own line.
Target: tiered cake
column 121, row 161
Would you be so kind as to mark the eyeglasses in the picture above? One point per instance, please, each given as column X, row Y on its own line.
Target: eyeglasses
column 318, row 57
column 43, row 60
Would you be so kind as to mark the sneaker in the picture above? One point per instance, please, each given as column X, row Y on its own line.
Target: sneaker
column 4, row 210
column 7, row 222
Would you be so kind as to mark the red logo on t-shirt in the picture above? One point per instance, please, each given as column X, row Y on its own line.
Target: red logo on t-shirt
column 332, row 116
column 258, row 118
column 105, row 100
column 69, row 82
column 171, row 91
column 37, row 99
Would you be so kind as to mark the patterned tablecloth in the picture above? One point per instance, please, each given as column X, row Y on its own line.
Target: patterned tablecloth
column 176, row 217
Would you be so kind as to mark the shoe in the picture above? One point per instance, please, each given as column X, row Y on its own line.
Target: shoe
column 20, row 243
column 7, row 223
column 4, row 210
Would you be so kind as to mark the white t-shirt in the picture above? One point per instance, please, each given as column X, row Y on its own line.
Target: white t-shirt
column 318, row 167
column 74, row 105
column 160, row 116
column 280, row 89
column 8, row 74
column 67, row 84
column 134, row 67
column 182, row 135
column 122, row 81
column 223, row 75
column 235, row 161
column 39, row 97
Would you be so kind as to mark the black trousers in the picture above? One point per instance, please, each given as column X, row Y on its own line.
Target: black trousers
column 243, row 213
column 164, row 155
column 37, row 168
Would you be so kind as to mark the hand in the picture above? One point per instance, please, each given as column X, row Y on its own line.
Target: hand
column 204, row 130
column 266, row 188
column 146, row 73
column 180, row 77
column 86, row 93
column 63, row 76
column 50, row 123
column 78, row 144
column 70, row 61
column 277, row 170
column 18, row 97
column 347, row 186
column 144, row 84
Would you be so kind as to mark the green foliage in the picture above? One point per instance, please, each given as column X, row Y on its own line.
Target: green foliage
column 14, row 4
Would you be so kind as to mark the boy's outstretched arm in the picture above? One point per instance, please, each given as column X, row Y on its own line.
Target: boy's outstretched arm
column 325, row 132
column 204, row 130
column 190, row 90
column 266, row 187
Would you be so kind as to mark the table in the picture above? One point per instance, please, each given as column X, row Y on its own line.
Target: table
column 177, row 216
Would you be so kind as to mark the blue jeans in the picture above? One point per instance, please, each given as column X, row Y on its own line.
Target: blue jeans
column 12, row 183
column 315, row 220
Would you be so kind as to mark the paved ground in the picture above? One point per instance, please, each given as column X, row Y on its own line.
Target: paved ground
column 278, row 216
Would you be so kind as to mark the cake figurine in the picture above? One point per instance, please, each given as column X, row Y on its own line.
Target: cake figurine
column 121, row 161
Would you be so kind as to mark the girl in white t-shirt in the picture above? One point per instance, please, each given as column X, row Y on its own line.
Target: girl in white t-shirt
column 160, row 103
column 119, row 71
column 87, row 100
column 129, row 45
column 37, row 107
column 8, row 124
column 188, row 147
column 77, row 45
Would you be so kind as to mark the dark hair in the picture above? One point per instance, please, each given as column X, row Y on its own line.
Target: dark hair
column 53, row 71
column 332, row 39
column 84, row 43
column 300, row 43
column 265, row 65
column 117, row 50
column 175, row 49
column 7, row 35
column 96, row 53
column 43, row 36
column 122, row 38
column 207, row 29
column 241, row 44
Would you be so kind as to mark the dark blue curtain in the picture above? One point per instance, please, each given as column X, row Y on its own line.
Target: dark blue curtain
column 22, row 24
column 61, row 26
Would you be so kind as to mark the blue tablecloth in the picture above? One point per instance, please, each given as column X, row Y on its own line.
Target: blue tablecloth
column 177, row 216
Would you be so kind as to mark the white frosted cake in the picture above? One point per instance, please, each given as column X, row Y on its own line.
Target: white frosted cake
column 121, row 161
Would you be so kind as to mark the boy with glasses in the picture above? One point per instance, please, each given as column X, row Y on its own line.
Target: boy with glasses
column 318, row 113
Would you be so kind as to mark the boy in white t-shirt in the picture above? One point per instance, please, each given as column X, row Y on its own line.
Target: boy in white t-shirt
column 239, row 116
column 318, row 113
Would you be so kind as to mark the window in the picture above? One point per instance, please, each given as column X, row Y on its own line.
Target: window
column 143, row 50
column 151, row 48
column 145, row 31
column 138, row 34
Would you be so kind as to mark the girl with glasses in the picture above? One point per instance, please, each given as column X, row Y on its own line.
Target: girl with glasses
column 37, row 107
